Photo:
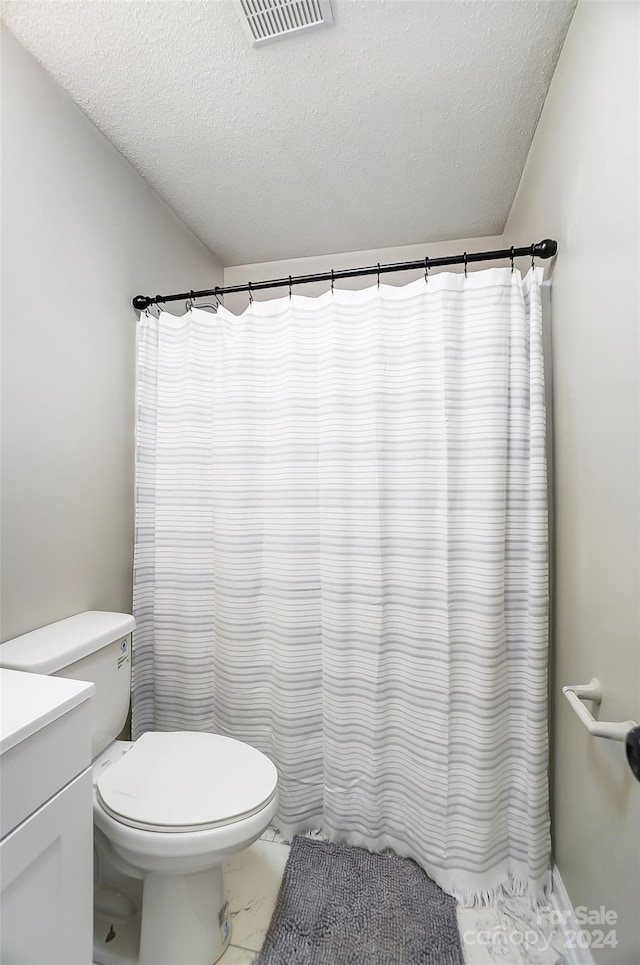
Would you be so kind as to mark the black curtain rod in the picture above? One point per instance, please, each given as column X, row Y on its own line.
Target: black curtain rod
column 543, row 249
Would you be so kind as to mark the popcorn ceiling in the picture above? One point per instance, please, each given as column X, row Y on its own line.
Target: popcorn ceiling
column 404, row 123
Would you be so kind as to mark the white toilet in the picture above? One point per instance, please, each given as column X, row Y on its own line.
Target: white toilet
column 168, row 809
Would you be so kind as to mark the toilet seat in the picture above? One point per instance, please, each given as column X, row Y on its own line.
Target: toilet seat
column 186, row 781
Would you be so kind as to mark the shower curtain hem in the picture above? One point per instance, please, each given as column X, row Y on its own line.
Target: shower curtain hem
column 480, row 890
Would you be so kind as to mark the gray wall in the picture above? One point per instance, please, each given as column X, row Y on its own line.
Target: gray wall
column 580, row 186
column 81, row 234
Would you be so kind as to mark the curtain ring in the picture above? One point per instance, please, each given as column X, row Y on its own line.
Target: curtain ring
column 378, row 276
column 250, row 293
column 332, row 281
column 511, row 257
column 426, row 271
column 465, row 264
column 217, row 298
column 533, row 249
column 289, row 287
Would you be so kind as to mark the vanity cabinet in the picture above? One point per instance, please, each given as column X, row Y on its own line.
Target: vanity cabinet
column 46, row 821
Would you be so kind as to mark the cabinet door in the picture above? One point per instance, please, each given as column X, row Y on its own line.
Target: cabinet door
column 46, row 879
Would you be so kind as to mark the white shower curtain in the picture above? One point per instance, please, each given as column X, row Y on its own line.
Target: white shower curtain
column 341, row 558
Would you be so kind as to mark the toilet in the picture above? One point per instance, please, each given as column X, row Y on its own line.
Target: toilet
column 168, row 808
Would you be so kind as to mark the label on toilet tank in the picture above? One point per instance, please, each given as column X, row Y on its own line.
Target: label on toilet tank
column 124, row 652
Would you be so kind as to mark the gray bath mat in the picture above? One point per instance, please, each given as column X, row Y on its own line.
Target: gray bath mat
column 340, row 905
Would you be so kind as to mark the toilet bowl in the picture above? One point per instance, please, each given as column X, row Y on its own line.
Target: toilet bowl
column 169, row 809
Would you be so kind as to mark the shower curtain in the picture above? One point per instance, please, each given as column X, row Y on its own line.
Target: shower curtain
column 341, row 558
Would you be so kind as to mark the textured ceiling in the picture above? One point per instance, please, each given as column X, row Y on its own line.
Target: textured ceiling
column 405, row 122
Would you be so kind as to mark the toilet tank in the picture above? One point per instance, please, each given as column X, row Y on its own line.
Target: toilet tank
column 93, row 646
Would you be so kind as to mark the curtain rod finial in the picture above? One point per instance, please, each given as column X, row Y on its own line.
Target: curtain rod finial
column 545, row 249
column 140, row 302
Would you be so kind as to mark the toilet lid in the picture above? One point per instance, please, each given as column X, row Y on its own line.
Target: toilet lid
column 186, row 781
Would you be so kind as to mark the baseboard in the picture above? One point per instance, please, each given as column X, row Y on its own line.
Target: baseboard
column 561, row 903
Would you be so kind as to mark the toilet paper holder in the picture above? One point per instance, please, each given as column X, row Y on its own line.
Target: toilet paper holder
column 612, row 730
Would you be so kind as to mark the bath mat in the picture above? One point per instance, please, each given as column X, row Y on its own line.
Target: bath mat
column 340, row 905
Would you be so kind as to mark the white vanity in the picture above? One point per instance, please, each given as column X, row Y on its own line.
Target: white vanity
column 46, row 820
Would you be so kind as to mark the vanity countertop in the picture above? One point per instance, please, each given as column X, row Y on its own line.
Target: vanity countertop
column 28, row 702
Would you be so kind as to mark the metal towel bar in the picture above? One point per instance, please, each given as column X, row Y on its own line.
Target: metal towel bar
column 616, row 731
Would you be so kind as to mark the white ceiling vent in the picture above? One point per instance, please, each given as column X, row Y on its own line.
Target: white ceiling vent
column 265, row 20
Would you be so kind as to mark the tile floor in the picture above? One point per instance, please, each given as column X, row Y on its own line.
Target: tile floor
column 508, row 934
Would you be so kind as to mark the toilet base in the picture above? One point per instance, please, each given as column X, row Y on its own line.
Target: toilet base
column 185, row 920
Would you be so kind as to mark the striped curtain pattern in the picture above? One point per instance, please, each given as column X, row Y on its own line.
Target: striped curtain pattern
column 341, row 558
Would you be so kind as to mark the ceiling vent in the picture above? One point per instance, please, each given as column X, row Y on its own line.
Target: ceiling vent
column 265, row 20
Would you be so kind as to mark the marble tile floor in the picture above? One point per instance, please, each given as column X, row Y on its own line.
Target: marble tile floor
column 508, row 934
